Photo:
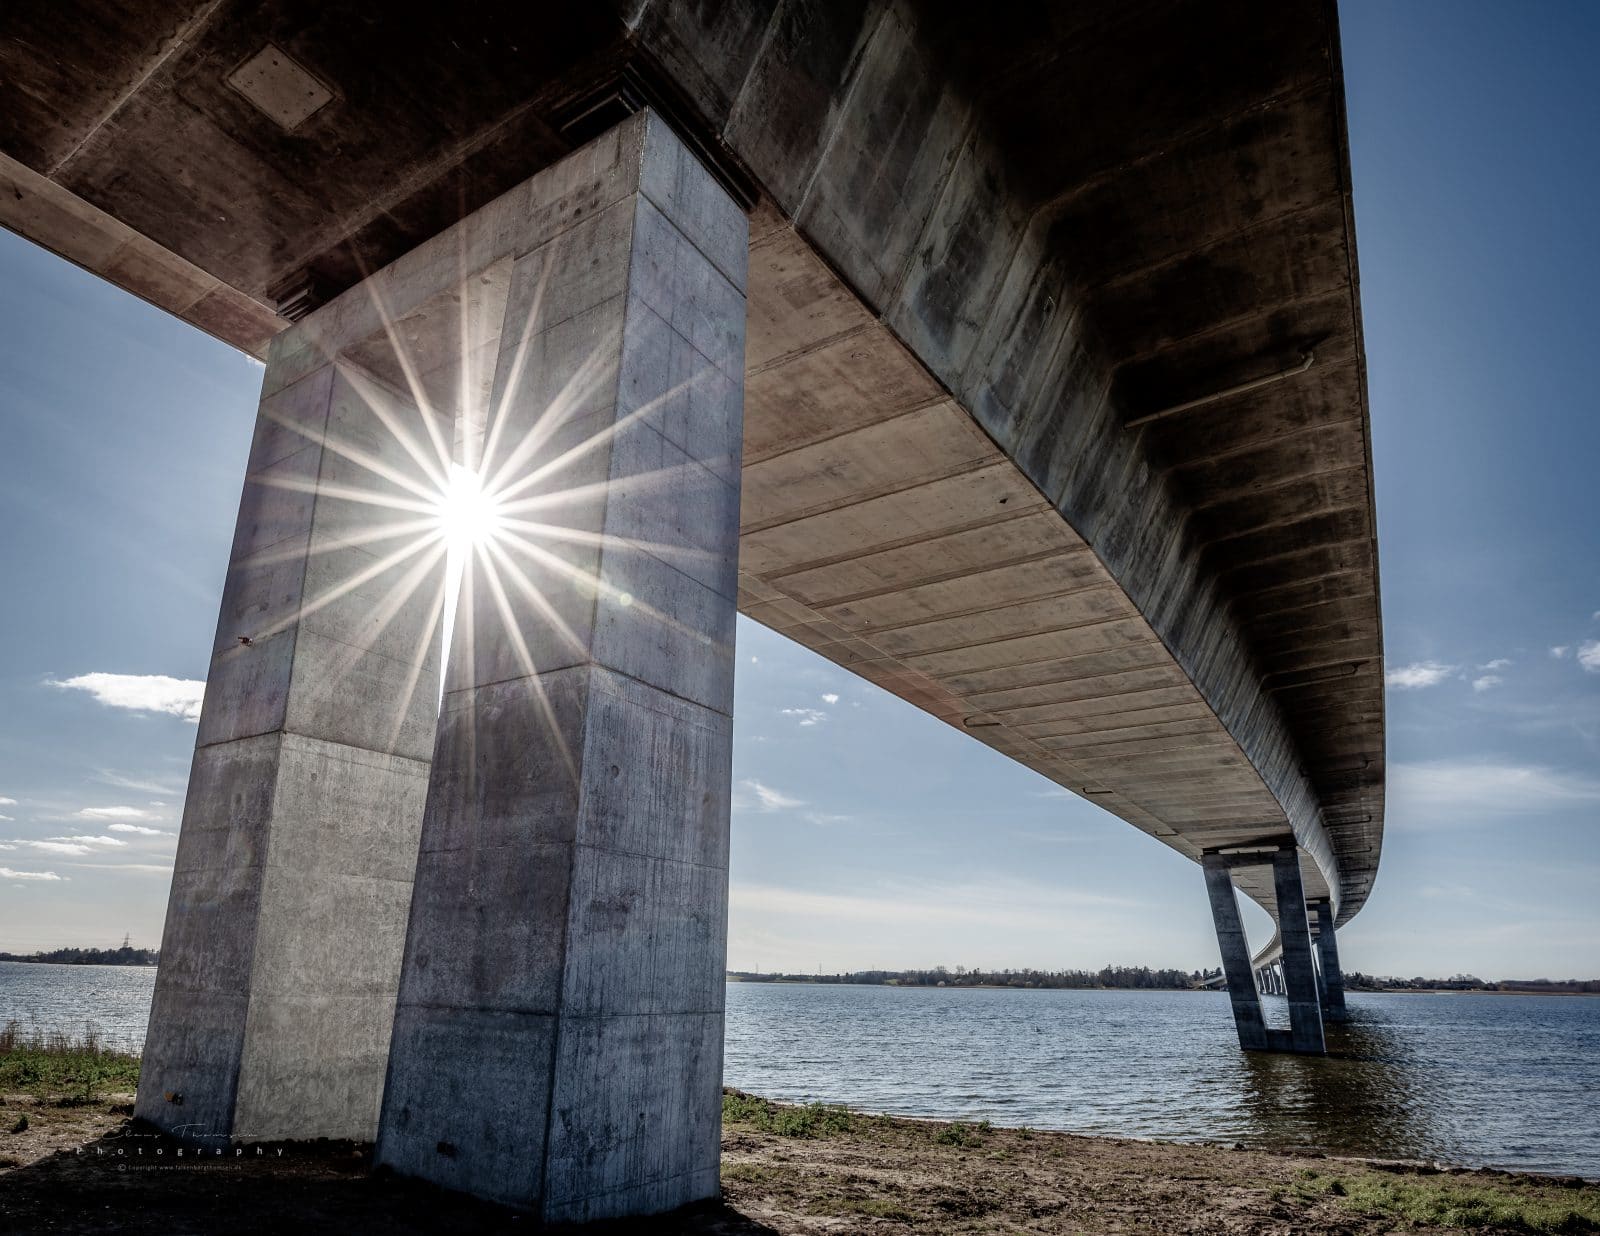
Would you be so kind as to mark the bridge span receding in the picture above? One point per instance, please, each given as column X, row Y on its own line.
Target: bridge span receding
column 1031, row 390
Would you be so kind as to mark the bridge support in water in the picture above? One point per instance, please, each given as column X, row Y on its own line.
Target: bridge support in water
column 1299, row 978
column 494, row 938
column 1330, row 976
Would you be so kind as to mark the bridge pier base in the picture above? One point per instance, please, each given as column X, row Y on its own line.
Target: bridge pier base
column 1298, row 981
column 558, row 1034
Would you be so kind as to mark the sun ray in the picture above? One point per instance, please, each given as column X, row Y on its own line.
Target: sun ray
column 504, row 492
column 519, row 645
column 419, row 393
column 371, row 392
column 345, row 587
column 365, row 459
column 582, row 536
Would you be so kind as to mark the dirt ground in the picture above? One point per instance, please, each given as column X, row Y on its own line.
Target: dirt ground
column 85, row 1168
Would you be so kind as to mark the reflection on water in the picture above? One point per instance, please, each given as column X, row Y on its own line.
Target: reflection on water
column 1505, row 1081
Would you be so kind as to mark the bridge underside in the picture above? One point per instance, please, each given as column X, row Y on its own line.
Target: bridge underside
column 1054, row 417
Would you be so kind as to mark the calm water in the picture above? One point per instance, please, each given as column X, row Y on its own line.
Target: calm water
column 1504, row 1081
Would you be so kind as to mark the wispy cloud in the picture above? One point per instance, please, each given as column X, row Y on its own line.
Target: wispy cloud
column 830, row 698
column 7, row 802
column 116, row 813
column 1417, row 675
column 1499, row 663
column 90, row 839
column 1589, row 655
column 1559, row 651
column 1486, row 682
column 1442, row 791
column 152, row 785
column 138, row 828
column 807, row 716
column 769, row 799
column 56, row 847
column 7, row 873
column 1013, row 904
column 178, row 697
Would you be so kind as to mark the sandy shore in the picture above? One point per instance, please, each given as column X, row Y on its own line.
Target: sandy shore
column 75, row 1168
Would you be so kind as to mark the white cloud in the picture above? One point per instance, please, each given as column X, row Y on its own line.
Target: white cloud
column 830, row 698
column 1442, row 791
column 179, row 697
column 83, row 839
column 1417, row 675
column 7, row 802
column 1487, row 681
column 808, row 716
column 116, row 813
column 7, row 817
column 769, row 799
column 1589, row 655
column 57, row 847
column 6, row 873
column 150, row 786
column 1499, row 663
column 1558, row 651
column 137, row 828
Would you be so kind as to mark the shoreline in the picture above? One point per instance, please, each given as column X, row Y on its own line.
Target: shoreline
column 789, row 1170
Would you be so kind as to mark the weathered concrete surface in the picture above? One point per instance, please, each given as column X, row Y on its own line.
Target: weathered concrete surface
column 558, row 1035
column 1243, row 990
column 994, row 252
column 1329, row 971
column 1299, row 973
column 292, row 881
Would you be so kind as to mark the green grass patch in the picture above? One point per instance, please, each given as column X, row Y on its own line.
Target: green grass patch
column 1443, row 1201
column 61, row 1067
column 960, row 1133
column 877, row 1208
column 785, row 1119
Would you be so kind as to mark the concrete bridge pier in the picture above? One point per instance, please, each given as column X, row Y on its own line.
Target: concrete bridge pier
column 1299, row 975
column 1332, row 977
column 558, row 1034
column 1294, row 974
column 1235, row 946
column 292, row 881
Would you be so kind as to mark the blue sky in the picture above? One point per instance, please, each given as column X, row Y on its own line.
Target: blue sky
column 866, row 834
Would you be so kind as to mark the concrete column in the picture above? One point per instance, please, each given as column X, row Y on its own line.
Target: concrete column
column 558, row 1037
column 1299, row 979
column 292, row 882
column 1333, row 1006
column 1235, row 948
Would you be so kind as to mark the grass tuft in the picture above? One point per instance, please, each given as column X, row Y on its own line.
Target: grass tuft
column 59, row 1066
column 960, row 1133
column 1426, row 1201
column 785, row 1119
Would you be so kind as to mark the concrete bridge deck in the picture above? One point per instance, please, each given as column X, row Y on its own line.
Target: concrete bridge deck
column 1054, row 410
column 988, row 262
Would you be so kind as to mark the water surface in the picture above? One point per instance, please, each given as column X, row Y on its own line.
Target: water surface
column 1502, row 1081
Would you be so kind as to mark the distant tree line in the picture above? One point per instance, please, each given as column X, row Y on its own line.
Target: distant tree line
column 1120, row 977
column 1468, row 982
column 123, row 956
